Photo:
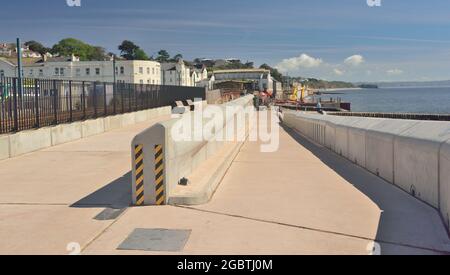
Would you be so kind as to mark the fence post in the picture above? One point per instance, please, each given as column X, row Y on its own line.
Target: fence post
column 114, row 98
column 36, row 102
column 129, row 97
column 104, row 99
column 70, row 102
column 147, row 96
column 55, row 104
column 83, row 99
column 95, row 99
column 122, row 98
column 16, row 120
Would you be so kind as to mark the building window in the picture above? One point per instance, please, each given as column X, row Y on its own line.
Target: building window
column 153, row 70
column 141, row 70
column 88, row 71
column 97, row 71
column 141, row 81
column 2, row 73
column 31, row 71
column 153, row 81
column 122, row 70
column 41, row 72
column 117, row 70
column 78, row 71
column 61, row 71
column 148, row 70
column 56, row 71
column 148, row 81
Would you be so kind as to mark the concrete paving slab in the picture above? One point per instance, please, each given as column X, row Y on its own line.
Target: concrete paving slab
column 222, row 234
column 46, row 229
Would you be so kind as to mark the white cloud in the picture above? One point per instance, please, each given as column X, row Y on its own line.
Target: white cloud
column 295, row 63
column 394, row 72
column 354, row 60
column 338, row 72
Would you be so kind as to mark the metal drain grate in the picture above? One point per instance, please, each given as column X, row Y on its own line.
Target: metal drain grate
column 109, row 214
column 156, row 240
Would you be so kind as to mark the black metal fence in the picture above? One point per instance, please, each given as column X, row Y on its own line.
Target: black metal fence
column 34, row 103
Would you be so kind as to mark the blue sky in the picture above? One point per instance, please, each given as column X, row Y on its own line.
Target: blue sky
column 330, row 39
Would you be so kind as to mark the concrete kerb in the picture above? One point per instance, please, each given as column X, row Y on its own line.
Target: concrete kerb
column 181, row 159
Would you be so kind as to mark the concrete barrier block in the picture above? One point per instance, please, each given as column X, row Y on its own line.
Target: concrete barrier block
column 4, row 147
column 141, row 116
column 416, row 159
column 66, row 132
column 181, row 158
column 444, row 180
column 113, row 122
column 92, row 127
column 128, row 119
column 150, row 113
column 357, row 134
column 30, row 141
column 167, row 110
column 342, row 135
column 380, row 146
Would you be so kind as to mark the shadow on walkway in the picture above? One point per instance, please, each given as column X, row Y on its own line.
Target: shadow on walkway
column 115, row 195
column 407, row 225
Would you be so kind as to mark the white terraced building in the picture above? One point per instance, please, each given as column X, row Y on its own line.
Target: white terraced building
column 127, row 71
column 180, row 74
column 133, row 71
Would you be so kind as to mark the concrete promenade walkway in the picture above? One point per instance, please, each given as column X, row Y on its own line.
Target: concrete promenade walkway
column 302, row 199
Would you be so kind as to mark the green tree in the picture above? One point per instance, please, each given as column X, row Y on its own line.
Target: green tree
column 139, row 54
column 274, row 72
column 77, row 47
column 131, row 51
column 249, row 65
column 163, row 56
column 177, row 57
column 128, row 49
column 37, row 47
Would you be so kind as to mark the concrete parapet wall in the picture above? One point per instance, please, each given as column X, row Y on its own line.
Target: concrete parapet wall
column 4, row 147
column 444, row 176
column 92, row 127
column 66, row 132
column 413, row 155
column 14, row 145
column 181, row 157
column 29, row 141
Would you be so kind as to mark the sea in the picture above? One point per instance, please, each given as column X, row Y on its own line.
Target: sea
column 433, row 100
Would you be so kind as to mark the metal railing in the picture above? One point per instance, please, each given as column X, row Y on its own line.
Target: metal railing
column 34, row 103
column 411, row 116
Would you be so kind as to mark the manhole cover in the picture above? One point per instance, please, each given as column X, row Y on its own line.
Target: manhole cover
column 156, row 240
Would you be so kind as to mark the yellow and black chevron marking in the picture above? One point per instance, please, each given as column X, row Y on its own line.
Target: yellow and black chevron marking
column 159, row 175
column 139, row 162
